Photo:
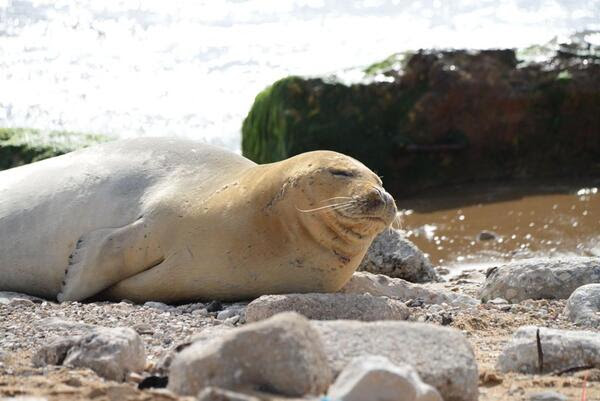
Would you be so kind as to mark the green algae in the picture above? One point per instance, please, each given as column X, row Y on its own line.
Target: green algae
column 20, row 146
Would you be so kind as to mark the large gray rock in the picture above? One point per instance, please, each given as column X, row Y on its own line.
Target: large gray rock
column 395, row 256
column 442, row 356
column 583, row 306
column 110, row 352
column 561, row 349
column 283, row 354
column 396, row 288
column 328, row 307
column 540, row 278
column 376, row 378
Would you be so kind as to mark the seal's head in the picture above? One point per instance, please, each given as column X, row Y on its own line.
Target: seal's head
column 338, row 199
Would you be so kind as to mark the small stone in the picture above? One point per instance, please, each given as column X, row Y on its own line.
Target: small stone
column 375, row 377
column 158, row 305
column 561, row 349
column 328, row 307
column 489, row 378
column 73, row 382
column 232, row 320
column 219, row 394
column 583, row 306
column 486, row 235
column 283, row 353
column 497, row 301
column 227, row 313
column 214, row 306
column 143, row 328
column 111, row 353
column 547, row 396
column 8, row 297
column 21, row 302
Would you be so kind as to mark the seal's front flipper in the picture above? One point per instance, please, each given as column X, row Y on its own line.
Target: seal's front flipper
column 106, row 256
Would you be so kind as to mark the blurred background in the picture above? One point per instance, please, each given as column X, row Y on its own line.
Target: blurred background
column 193, row 68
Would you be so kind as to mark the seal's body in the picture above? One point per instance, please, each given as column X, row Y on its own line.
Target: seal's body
column 175, row 220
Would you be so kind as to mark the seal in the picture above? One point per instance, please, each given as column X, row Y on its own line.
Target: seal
column 175, row 220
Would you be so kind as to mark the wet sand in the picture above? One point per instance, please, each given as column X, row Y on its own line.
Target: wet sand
column 525, row 219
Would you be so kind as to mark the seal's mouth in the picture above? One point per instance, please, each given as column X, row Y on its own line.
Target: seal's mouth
column 376, row 208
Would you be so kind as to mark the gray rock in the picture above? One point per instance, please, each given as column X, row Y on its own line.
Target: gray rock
column 380, row 285
column 540, row 278
column 442, row 356
column 376, row 378
column 328, row 307
column 233, row 310
column 395, row 256
column 24, row 398
column 583, row 306
column 219, row 394
column 208, row 333
column 283, row 354
column 547, row 396
column 561, row 349
column 110, row 352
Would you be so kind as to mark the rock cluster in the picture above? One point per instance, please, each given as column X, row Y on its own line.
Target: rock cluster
column 260, row 351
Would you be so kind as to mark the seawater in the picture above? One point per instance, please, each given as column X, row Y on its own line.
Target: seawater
column 534, row 219
column 192, row 68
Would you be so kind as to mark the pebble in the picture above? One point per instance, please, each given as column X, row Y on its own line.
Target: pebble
column 547, row 396
column 377, row 378
column 218, row 394
column 110, row 352
column 583, row 306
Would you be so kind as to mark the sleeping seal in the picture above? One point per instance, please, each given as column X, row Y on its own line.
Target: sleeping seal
column 175, row 220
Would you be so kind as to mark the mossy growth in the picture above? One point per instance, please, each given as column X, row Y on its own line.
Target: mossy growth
column 296, row 115
column 20, row 146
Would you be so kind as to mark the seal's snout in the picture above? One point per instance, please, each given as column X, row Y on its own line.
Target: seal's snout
column 381, row 203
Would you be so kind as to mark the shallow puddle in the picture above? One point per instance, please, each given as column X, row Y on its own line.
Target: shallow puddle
column 520, row 220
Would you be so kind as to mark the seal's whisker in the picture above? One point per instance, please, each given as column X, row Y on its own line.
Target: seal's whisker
column 337, row 197
column 332, row 207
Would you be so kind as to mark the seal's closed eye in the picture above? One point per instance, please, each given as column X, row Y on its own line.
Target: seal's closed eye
column 340, row 172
